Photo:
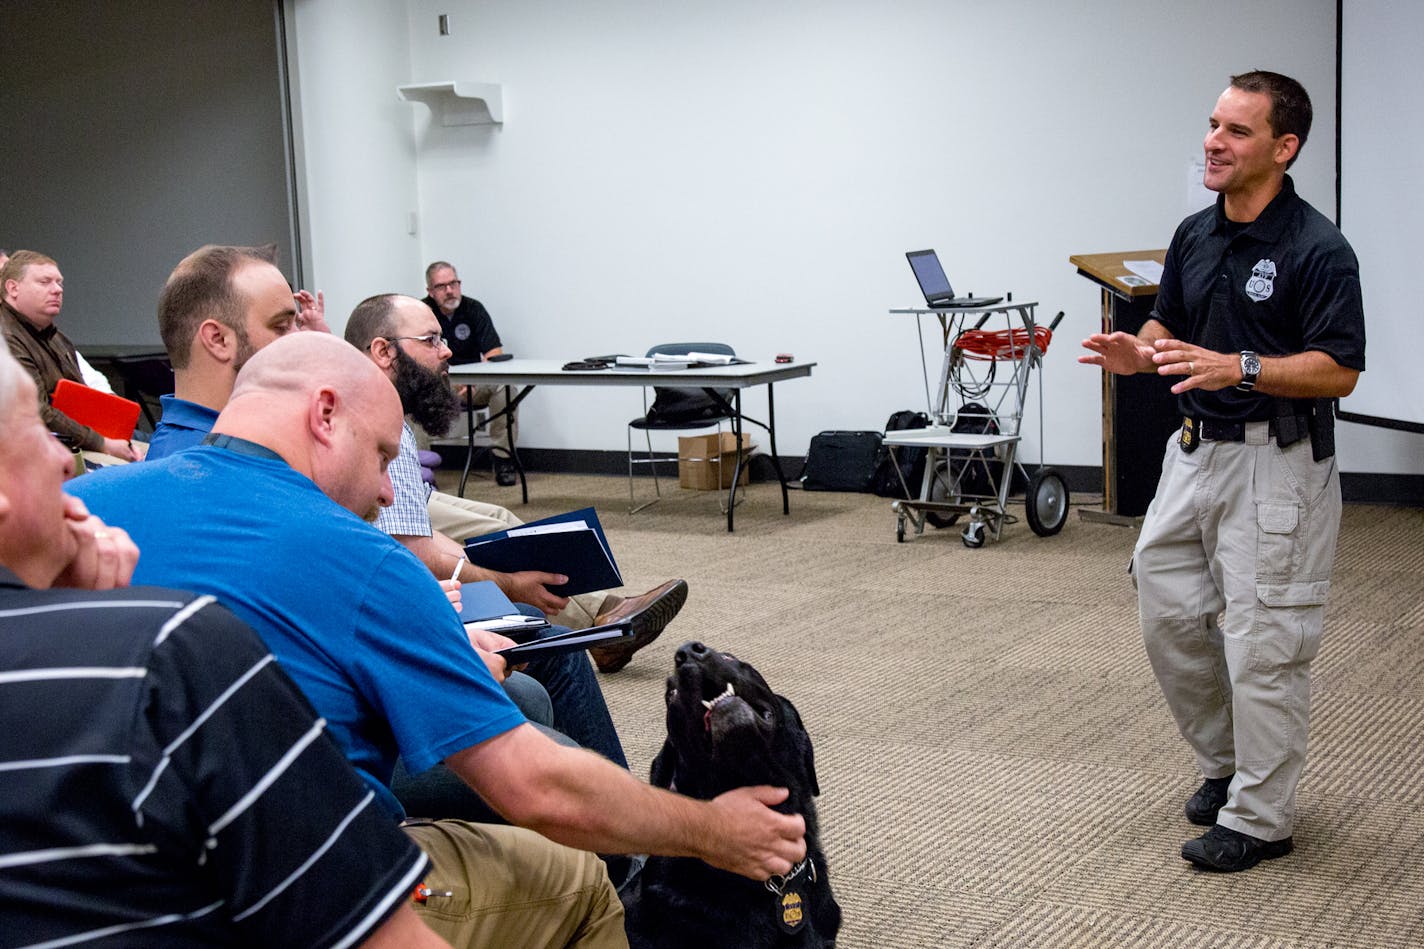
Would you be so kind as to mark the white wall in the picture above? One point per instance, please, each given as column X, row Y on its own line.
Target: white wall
column 357, row 147
column 753, row 172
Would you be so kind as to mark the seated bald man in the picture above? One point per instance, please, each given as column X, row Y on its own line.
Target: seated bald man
column 268, row 518
column 222, row 305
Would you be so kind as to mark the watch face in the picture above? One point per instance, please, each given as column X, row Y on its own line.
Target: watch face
column 1250, row 364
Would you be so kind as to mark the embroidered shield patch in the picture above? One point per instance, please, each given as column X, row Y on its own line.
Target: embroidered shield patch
column 1262, row 282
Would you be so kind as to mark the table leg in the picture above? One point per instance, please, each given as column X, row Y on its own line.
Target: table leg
column 775, row 458
column 737, row 469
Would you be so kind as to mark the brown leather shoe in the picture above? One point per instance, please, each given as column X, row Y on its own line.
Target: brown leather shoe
column 649, row 615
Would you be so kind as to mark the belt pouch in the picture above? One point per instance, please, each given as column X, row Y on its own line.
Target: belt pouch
column 1322, row 430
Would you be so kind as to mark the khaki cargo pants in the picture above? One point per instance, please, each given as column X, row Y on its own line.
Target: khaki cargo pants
column 506, row 887
column 1232, row 570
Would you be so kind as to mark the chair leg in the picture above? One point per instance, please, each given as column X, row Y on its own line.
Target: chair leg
column 657, row 488
column 633, row 506
column 721, row 501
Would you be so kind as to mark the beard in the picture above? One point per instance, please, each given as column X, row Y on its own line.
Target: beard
column 425, row 395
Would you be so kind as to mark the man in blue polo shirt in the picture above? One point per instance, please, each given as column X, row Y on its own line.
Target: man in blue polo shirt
column 1259, row 312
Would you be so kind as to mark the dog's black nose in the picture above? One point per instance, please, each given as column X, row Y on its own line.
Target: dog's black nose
column 692, row 650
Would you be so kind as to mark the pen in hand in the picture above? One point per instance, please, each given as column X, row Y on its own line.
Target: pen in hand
column 452, row 586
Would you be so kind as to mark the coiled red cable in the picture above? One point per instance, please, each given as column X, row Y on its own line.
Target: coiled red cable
column 991, row 345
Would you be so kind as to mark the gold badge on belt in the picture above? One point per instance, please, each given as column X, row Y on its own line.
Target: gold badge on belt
column 1188, row 440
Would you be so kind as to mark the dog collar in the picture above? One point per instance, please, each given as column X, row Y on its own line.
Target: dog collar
column 789, row 905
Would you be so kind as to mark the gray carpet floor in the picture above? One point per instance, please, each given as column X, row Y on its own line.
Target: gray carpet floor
column 997, row 766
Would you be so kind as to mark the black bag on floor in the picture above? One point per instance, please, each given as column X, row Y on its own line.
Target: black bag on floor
column 911, row 461
column 976, row 478
column 841, row 461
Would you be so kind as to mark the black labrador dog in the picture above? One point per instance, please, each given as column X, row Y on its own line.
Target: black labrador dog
column 727, row 729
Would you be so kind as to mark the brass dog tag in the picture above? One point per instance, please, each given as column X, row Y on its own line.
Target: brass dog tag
column 1188, row 440
column 791, row 912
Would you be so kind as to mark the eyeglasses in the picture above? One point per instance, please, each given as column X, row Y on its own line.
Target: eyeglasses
column 447, row 285
column 433, row 340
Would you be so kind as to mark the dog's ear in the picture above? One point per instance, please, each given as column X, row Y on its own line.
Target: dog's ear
column 792, row 720
column 664, row 768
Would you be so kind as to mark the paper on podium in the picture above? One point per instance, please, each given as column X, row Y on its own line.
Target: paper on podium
column 1149, row 270
column 572, row 544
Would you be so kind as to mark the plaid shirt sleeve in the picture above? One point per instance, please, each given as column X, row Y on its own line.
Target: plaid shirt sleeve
column 407, row 515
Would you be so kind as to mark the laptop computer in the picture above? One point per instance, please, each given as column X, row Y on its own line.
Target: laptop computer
column 935, row 285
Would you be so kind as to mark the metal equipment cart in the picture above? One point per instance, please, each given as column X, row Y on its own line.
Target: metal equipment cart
column 976, row 410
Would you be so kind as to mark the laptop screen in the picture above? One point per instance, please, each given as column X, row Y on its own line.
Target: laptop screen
column 930, row 274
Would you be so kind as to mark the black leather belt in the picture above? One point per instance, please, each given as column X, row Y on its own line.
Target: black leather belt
column 1210, row 430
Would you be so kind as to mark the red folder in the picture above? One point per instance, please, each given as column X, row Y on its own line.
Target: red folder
column 110, row 415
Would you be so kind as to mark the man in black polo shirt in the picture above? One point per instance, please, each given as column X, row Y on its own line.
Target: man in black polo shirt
column 162, row 781
column 471, row 336
column 1259, row 312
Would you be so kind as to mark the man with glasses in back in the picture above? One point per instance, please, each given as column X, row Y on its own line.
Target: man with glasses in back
column 471, row 335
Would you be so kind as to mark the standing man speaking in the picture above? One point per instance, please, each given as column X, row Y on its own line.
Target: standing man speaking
column 1259, row 313
column 471, row 336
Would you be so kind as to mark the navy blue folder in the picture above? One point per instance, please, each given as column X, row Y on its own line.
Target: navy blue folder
column 582, row 555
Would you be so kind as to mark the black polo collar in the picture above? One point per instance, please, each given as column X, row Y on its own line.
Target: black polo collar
column 1270, row 224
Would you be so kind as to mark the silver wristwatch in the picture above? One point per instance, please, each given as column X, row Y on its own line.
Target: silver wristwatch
column 1250, row 369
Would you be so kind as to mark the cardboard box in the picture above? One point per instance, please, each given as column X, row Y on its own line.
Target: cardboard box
column 706, row 464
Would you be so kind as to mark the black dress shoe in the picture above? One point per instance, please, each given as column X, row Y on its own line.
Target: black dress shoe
column 1210, row 797
column 1224, row 850
column 505, row 474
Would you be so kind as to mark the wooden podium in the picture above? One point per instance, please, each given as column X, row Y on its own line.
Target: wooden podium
column 1139, row 412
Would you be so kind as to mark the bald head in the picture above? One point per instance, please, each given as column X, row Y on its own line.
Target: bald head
column 327, row 410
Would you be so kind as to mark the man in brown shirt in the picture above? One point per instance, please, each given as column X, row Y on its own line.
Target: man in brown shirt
column 31, row 296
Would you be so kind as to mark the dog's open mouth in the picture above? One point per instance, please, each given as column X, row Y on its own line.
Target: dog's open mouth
column 728, row 713
column 726, row 704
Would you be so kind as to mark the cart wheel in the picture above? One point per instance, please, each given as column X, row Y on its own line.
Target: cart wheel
column 1046, row 502
column 940, row 490
column 900, row 530
column 973, row 535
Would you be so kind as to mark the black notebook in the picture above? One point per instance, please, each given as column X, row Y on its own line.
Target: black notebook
column 572, row 641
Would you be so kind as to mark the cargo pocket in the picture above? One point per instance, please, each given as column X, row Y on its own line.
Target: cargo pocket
column 1277, row 542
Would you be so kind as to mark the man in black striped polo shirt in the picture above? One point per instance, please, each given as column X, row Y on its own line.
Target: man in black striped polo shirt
column 156, row 767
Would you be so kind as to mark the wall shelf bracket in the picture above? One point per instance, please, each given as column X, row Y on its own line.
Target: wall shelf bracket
column 459, row 103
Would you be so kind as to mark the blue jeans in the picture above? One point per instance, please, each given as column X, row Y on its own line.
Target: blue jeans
column 579, row 712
